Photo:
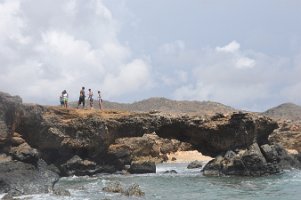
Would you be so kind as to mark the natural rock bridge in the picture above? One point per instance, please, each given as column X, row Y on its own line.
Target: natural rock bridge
column 57, row 135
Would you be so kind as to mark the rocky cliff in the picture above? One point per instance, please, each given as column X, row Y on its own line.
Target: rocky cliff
column 85, row 142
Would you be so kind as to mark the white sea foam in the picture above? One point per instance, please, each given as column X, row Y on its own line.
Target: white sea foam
column 185, row 184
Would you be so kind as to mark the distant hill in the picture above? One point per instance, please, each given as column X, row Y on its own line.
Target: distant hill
column 288, row 111
column 167, row 105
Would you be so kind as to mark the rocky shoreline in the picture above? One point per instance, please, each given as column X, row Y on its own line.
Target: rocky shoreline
column 39, row 144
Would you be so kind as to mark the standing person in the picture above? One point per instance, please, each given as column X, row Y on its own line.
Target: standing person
column 82, row 97
column 62, row 99
column 65, row 98
column 90, row 97
column 99, row 100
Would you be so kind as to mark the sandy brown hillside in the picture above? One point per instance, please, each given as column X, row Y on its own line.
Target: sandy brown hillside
column 167, row 105
column 288, row 111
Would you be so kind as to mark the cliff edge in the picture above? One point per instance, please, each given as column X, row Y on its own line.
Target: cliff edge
column 85, row 142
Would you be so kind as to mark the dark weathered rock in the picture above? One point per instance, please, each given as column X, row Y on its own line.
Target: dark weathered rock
column 213, row 137
column 213, row 167
column 117, row 187
column 134, row 190
column 285, row 160
column 170, row 172
column 149, row 147
column 25, row 153
column 142, row 167
column 269, row 152
column 114, row 187
column 80, row 167
column 17, row 178
column 254, row 161
column 10, row 113
column 287, row 135
column 195, row 164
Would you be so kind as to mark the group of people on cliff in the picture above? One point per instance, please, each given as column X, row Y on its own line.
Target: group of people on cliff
column 82, row 99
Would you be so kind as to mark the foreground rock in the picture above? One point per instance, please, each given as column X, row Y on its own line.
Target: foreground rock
column 10, row 115
column 134, row 190
column 114, row 187
column 254, row 161
column 139, row 167
column 195, row 164
column 18, row 178
column 79, row 167
column 117, row 187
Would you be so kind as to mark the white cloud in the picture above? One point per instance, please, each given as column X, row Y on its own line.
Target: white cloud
column 236, row 77
column 245, row 62
column 172, row 48
column 50, row 45
column 70, row 7
column 176, row 78
column 229, row 48
column 12, row 31
column 131, row 77
column 53, row 45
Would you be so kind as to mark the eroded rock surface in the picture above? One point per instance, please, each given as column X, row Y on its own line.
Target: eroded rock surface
column 113, row 139
column 18, row 178
column 142, row 167
column 288, row 135
column 149, row 147
column 253, row 161
column 195, row 164
column 10, row 113
column 56, row 131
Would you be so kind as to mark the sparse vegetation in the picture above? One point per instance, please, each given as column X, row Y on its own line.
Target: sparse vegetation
column 286, row 111
column 171, row 106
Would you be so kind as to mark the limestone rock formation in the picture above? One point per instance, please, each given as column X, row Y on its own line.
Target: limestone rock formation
column 112, row 139
column 288, row 135
column 219, row 133
column 149, row 147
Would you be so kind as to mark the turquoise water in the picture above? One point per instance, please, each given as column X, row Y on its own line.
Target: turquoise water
column 186, row 184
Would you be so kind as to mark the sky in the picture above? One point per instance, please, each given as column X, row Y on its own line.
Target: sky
column 245, row 54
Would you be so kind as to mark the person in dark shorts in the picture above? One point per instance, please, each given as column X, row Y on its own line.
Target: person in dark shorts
column 82, row 97
column 65, row 98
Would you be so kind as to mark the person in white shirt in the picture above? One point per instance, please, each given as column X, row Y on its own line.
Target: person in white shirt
column 90, row 97
column 65, row 98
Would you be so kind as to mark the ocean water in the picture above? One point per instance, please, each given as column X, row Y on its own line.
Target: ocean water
column 186, row 184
